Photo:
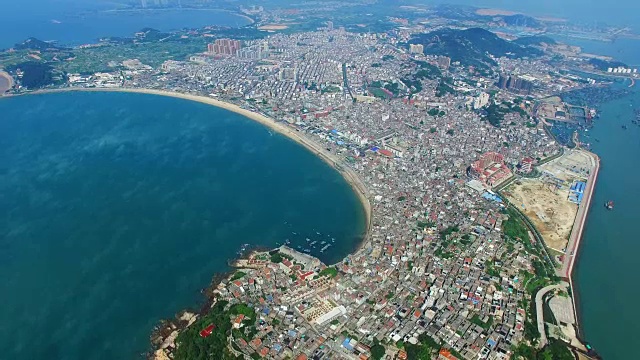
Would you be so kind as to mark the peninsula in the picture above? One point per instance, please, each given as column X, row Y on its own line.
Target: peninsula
column 454, row 141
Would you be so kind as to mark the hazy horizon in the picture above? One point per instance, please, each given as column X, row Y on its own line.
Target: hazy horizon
column 616, row 12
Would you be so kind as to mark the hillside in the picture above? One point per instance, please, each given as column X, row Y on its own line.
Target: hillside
column 36, row 44
column 471, row 47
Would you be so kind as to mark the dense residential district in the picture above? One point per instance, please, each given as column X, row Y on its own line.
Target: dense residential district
column 448, row 268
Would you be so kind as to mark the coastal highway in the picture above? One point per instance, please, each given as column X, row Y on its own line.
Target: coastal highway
column 540, row 313
column 579, row 222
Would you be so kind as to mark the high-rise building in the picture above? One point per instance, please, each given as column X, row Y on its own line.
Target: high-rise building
column 330, row 25
column 143, row 3
column 416, row 48
column 481, row 101
column 252, row 53
column 503, row 81
column 522, row 84
column 224, row 47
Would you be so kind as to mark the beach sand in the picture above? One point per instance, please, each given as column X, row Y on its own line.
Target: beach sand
column 348, row 174
column 6, row 82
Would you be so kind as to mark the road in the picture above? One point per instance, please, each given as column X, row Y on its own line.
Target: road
column 540, row 314
column 581, row 218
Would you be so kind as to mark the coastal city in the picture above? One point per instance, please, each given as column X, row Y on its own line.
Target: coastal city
column 474, row 184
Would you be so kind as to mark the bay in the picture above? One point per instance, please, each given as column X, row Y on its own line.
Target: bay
column 116, row 209
column 76, row 26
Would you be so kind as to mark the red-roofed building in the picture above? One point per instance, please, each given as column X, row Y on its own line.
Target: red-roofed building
column 386, row 153
column 445, row 354
column 306, row 275
column 237, row 323
column 207, row 331
column 255, row 343
column 490, row 169
column 264, row 351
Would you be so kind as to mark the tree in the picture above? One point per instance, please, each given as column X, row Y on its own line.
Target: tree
column 555, row 350
column 192, row 346
column 377, row 351
column 276, row 258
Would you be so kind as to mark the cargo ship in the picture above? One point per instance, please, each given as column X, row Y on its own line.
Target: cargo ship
column 609, row 205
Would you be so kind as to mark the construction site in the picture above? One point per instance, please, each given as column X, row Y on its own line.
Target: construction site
column 551, row 200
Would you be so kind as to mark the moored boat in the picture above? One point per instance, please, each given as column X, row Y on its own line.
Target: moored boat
column 609, row 205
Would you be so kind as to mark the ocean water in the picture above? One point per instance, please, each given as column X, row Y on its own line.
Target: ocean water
column 116, row 209
column 614, row 12
column 79, row 25
column 624, row 50
column 606, row 271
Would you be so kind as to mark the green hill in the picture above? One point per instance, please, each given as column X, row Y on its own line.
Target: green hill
column 472, row 47
column 36, row 44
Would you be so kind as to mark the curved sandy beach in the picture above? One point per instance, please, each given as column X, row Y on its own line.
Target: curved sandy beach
column 348, row 174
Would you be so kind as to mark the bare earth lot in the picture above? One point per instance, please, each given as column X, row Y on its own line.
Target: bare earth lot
column 545, row 199
column 5, row 82
column 547, row 207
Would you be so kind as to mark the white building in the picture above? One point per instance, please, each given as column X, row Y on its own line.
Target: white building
column 481, row 101
column 332, row 314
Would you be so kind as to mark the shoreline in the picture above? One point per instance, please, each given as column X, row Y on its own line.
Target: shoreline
column 354, row 181
column 577, row 234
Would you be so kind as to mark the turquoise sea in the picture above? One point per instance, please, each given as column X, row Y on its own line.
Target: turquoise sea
column 605, row 274
column 608, row 258
column 117, row 209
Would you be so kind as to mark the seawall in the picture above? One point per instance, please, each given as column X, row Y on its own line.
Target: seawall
column 576, row 236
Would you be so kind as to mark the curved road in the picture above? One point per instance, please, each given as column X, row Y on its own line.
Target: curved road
column 540, row 314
